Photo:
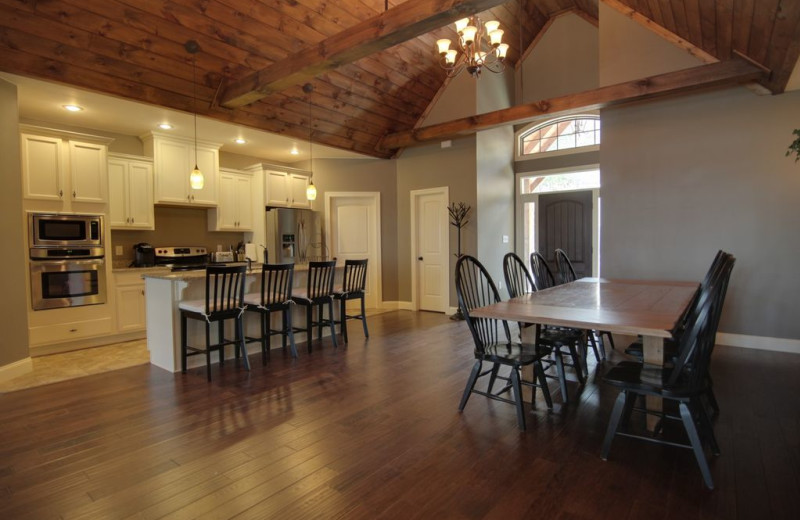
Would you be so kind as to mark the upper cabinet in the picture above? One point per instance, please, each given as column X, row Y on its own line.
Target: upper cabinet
column 235, row 209
column 174, row 159
column 64, row 167
column 284, row 187
column 130, row 192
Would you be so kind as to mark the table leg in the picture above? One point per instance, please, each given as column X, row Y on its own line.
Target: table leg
column 653, row 354
column 528, row 335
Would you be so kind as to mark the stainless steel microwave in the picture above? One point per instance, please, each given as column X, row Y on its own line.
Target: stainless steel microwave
column 47, row 231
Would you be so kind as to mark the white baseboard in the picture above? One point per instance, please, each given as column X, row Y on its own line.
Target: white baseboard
column 759, row 342
column 16, row 369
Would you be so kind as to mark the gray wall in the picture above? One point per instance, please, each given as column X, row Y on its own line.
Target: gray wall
column 431, row 167
column 367, row 175
column 13, row 304
column 569, row 40
column 687, row 176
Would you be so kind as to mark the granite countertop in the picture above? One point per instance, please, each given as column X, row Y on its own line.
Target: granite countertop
column 165, row 274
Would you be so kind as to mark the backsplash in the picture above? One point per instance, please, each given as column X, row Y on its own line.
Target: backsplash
column 174, row 227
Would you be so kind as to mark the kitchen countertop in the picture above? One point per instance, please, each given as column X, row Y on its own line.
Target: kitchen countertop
column 164, row 274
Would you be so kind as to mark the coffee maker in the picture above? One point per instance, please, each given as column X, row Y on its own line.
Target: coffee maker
column 144, row 255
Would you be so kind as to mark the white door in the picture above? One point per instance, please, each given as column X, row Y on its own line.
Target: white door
column 431, row 249
column 354, row 226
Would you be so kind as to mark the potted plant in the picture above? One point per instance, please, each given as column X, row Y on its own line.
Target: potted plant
column 794, row 148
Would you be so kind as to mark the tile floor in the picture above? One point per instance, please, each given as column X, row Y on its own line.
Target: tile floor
column 80, row 363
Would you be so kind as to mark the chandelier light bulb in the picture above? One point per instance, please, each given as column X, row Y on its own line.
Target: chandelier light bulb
column 491, row 26
column 450, row 57
column 443, row 45
column 502, row 50
column 496, row 37
column 469, row 34
column 461, row 24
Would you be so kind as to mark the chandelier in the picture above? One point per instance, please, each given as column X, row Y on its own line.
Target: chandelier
column 481, row 47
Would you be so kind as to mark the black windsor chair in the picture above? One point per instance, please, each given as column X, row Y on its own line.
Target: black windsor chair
column 317, row 294
column 566, row 274
column 541, row 273
column 684, row 383
column 354, row 281
column 670, row 345
column 275, row 296
column 475, row 288
column 224, row 300
column 519, row 282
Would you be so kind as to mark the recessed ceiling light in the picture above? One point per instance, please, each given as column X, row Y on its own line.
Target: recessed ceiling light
column 239, row 140
column 165, row 126
column 294, row 150
column 73, row 108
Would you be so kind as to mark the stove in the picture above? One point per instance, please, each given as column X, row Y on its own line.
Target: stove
column 182, row 258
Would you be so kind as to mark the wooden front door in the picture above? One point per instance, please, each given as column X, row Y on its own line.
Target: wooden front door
column 565, row 222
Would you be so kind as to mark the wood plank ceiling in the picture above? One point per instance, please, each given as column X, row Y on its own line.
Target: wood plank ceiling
column 135, row 50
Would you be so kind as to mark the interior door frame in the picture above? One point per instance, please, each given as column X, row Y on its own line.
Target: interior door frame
column 375, row 196
column 534, row 197
column 415, row 194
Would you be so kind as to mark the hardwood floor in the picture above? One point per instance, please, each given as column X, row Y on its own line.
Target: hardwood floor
column 371, row 430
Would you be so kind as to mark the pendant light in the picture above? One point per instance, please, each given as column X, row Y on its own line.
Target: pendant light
column 196, row 178
column 311, row 190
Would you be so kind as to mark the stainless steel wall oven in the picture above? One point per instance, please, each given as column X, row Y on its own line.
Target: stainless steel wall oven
column 67, row 260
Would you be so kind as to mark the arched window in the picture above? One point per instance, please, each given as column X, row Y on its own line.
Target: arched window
column 556, row 135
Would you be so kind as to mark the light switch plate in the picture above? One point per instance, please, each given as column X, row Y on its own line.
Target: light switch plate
column 505, row 239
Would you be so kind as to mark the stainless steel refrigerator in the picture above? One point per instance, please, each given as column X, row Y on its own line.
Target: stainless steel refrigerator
column 294, row 236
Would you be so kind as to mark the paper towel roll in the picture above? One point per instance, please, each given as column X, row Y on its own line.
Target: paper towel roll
column 251, row 252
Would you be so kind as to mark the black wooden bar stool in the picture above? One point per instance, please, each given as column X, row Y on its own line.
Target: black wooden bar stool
column 354, row 281
column 224, row 300
column 275, row 296
column 317, row 294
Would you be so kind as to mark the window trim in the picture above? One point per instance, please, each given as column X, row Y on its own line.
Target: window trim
column 520, row 134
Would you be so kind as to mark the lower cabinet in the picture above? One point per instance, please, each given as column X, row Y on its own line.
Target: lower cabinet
column 129, row 301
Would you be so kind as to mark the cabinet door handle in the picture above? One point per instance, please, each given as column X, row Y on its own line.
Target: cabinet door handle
column 74, row 194
column 132, row 220
column 60, row 193
column 142, row 292
column 192, row 198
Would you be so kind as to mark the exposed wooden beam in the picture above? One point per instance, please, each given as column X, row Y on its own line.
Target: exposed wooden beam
column 714, row 74
column 399, row 24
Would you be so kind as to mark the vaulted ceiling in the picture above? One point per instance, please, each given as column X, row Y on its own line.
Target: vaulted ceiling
column 136, row 49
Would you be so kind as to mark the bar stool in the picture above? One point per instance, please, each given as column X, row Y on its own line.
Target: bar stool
column 275, row 296
column 224, row 300
column 354, row 282
column 318, row 293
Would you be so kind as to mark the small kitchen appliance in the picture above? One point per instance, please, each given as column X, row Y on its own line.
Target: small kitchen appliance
column 144, row 255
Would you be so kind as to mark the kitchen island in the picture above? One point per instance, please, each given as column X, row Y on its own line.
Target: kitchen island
column 165, row 291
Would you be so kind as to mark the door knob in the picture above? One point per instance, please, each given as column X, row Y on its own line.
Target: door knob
column 419, row 258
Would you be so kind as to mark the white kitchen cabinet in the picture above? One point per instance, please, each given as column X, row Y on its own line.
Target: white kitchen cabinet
column 130, row 181
column 174, row 159
column 235, row 209
column 285, row 187
column 297, row 191
column 63, row 166
column 130, row 303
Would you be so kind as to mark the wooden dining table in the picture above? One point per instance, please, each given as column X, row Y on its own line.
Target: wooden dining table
column 648, row 308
